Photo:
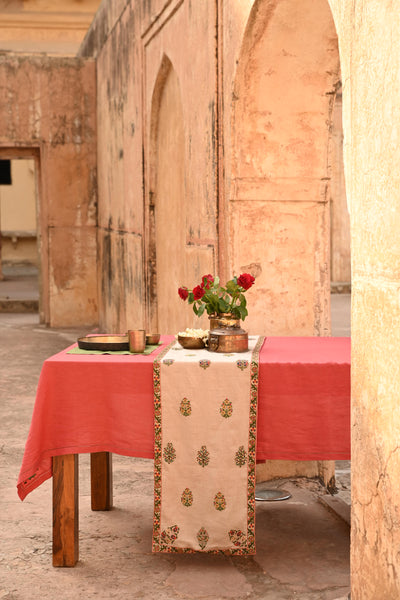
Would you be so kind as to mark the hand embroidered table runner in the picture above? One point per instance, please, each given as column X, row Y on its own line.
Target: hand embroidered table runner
column 205, row 444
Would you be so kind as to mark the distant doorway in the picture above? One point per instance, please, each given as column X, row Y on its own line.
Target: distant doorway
column 20, row 261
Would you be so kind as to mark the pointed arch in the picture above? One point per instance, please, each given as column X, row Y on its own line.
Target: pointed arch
column 285, row 85
column 167, row 214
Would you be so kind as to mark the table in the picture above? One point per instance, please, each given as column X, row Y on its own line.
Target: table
column 103, row 404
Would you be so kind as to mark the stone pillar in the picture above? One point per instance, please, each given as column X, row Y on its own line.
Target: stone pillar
column 369, row 43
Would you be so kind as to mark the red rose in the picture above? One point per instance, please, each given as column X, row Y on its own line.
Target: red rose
column 246, row 280
column 183, row 293
column 207, row 281
column 198, row 292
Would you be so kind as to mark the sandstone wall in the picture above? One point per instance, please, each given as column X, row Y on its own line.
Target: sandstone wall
column 157, row 162
column 281, row 72
column 48, row 113
column 214, row 128
column 369, row 51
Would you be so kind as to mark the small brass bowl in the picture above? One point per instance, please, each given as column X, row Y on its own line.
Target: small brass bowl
column 191, row 343
column 152, row 338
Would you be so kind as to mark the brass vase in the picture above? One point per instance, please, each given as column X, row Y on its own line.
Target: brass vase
column 226, row 334
column 223, row 320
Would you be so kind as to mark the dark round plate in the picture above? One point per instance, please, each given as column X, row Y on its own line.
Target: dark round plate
column 104, row 342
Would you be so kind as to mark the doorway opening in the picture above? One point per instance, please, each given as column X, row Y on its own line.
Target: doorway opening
column 20, row 260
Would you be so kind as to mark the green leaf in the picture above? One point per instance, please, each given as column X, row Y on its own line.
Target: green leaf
column 243, row 312
column 201, row 310
column 212, row 301
column 223, row 306
column 190, row 298
column 231, row 287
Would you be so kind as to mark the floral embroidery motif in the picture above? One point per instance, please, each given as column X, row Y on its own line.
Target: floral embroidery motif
column 202, row 537
column 203, row 456
column 187, row 497
column 240, row 457
column 168, row 361
column 169, row 453
column 204, row 363
column 226, row 409
column 242, row 364
column 219, row 501
column 237, row 537
column 168, row 536
column 185, row 407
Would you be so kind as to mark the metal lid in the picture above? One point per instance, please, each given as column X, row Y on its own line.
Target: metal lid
column 231, row 331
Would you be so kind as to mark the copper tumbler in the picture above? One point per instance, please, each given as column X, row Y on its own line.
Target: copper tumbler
column 137, row 340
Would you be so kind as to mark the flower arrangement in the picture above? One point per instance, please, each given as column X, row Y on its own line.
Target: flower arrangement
column 212, row 297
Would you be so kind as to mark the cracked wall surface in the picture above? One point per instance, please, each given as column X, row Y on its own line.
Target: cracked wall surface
column 256, row 119
column 48, row 112
column 368, row 41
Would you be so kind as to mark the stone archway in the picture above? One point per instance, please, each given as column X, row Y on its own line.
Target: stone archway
column 285, row 85
column 279, row 215
column 167, row 202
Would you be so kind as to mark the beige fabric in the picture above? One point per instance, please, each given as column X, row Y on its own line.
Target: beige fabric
column 205, row 450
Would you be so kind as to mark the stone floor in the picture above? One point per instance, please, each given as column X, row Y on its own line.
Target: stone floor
column 302, row 544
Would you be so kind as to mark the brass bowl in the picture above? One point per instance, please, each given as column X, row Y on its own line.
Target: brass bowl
column 191, row 343
column 152, row 338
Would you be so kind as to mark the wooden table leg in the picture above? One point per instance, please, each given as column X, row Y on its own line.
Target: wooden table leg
column 101, row 480
column 65, row 511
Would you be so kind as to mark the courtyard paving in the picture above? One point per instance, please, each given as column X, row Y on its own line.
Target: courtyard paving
column 302, row 545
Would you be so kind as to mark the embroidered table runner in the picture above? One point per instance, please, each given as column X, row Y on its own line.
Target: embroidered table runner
column 205, row 444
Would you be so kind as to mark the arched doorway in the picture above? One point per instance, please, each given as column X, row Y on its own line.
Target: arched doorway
column 286, row 82
column 167, row 202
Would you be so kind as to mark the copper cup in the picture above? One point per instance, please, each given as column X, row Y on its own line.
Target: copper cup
column 137, row 340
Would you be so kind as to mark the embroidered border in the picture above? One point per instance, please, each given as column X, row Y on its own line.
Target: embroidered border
column 158, row 447
column 251, row 462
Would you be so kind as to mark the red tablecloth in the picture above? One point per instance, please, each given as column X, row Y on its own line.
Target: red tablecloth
column 97, row 403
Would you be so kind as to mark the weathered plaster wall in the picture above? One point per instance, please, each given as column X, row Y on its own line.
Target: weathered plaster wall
column 278, row 114
column 48, row 111
column 192, row 58
column 139, row 159
column 369, row 49
column 254, row 166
